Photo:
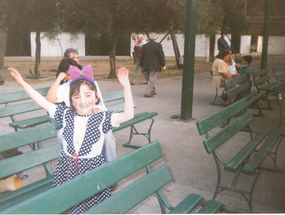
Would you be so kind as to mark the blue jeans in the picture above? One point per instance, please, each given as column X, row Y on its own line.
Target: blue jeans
column 109, row 147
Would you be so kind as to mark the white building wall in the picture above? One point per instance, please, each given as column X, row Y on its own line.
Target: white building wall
column 276, row 45
column 58, row 46
column 259, row 44
column 245, row 44
column 55, row 48
column 202, row 45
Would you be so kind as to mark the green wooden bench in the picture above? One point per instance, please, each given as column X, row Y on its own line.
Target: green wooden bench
column 252, row 97
column 261, row 80
column 40, row 156
column 41, row 198
column 242, row 157
column 279, row 73
column 115, row 101
column 279, row 92
column 12, row 109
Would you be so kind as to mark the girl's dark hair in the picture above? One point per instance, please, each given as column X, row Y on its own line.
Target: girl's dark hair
column 223, row 53
column 75, row 87
column 64, row 65
column 247, row 58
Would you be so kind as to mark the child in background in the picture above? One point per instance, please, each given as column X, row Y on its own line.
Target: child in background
column 245, row 69
column 83, row 127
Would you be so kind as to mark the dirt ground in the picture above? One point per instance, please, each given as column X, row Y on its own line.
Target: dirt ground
column 101, row 69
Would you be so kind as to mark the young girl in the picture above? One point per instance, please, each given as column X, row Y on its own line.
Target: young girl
column 83, row 129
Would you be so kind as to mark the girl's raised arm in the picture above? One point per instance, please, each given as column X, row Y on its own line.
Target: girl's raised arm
column 123, row 77
column 37, row 97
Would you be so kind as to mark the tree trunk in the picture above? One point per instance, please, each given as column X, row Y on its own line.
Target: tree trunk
column 3, row 40
column 212, row 48
column 176, row 50
column 38, row 55
column 112, row 55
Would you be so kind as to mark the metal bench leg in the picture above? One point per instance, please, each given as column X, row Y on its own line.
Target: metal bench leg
column 232, row 187
column 134, row 132
column 216, row 96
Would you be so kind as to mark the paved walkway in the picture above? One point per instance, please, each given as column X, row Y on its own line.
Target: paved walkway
column 192, row 168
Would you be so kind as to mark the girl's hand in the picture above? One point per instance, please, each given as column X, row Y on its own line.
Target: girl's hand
column 123, row 77
column 14, row 72
column 62, row 76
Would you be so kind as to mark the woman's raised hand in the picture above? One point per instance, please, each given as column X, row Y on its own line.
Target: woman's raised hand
column 123, row 77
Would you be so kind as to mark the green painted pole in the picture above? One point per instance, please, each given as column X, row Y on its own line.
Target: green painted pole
column 263, row 64
column 189, row 61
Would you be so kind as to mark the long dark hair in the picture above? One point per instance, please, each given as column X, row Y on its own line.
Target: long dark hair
column 75, row 88
column 223, row 53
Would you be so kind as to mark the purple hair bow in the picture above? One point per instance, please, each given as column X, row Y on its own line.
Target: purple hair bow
column 76, row 74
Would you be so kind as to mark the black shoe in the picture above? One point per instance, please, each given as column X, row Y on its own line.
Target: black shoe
column 148, row 96
column 2, row 82
column 132, row 83
column 22, row 175
column 113, row 186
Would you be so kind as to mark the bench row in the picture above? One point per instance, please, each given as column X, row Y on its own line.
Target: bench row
column 40, row 197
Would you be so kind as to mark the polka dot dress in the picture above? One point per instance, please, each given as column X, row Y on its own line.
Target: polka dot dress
column 69, row 167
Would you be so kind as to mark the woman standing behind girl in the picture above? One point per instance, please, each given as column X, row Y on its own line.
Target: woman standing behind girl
column 83, row 128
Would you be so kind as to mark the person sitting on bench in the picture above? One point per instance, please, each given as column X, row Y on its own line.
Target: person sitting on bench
column 221, row 70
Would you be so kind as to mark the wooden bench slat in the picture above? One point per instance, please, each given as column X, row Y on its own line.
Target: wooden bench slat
column 137, row 119
column 260, row 72
column 26, row 137
column 27, row 123
column 236, row 161
column 18, row 109
column 188, row 204
column 28, row 160
column 216, row 140
column 211, row 207
column 138, row 191
column 256, row 97
column 25, row 193
column 117, row 108
column 10, row 196
column 113, row 96
column 20, row 95
column 208, row 123
column 60, row 198
column 259, row 156
column 239, row 89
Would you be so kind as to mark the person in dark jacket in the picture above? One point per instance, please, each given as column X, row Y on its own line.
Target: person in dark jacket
column 152, row 60
column 222, row 43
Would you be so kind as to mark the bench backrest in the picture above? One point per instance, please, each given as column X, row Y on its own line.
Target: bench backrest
column 279, row 91
column 208, row 123
column 279, row 72
column 19, row 96
column 260, row 77
column 11, row 109
column 242, row 87
column 28, row 160
column 115, row 101
column 63, row 197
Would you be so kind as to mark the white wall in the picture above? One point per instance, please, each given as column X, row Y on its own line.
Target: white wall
column 57, row 47
column 276, row 45
column 202, row 45
column 245, row 44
